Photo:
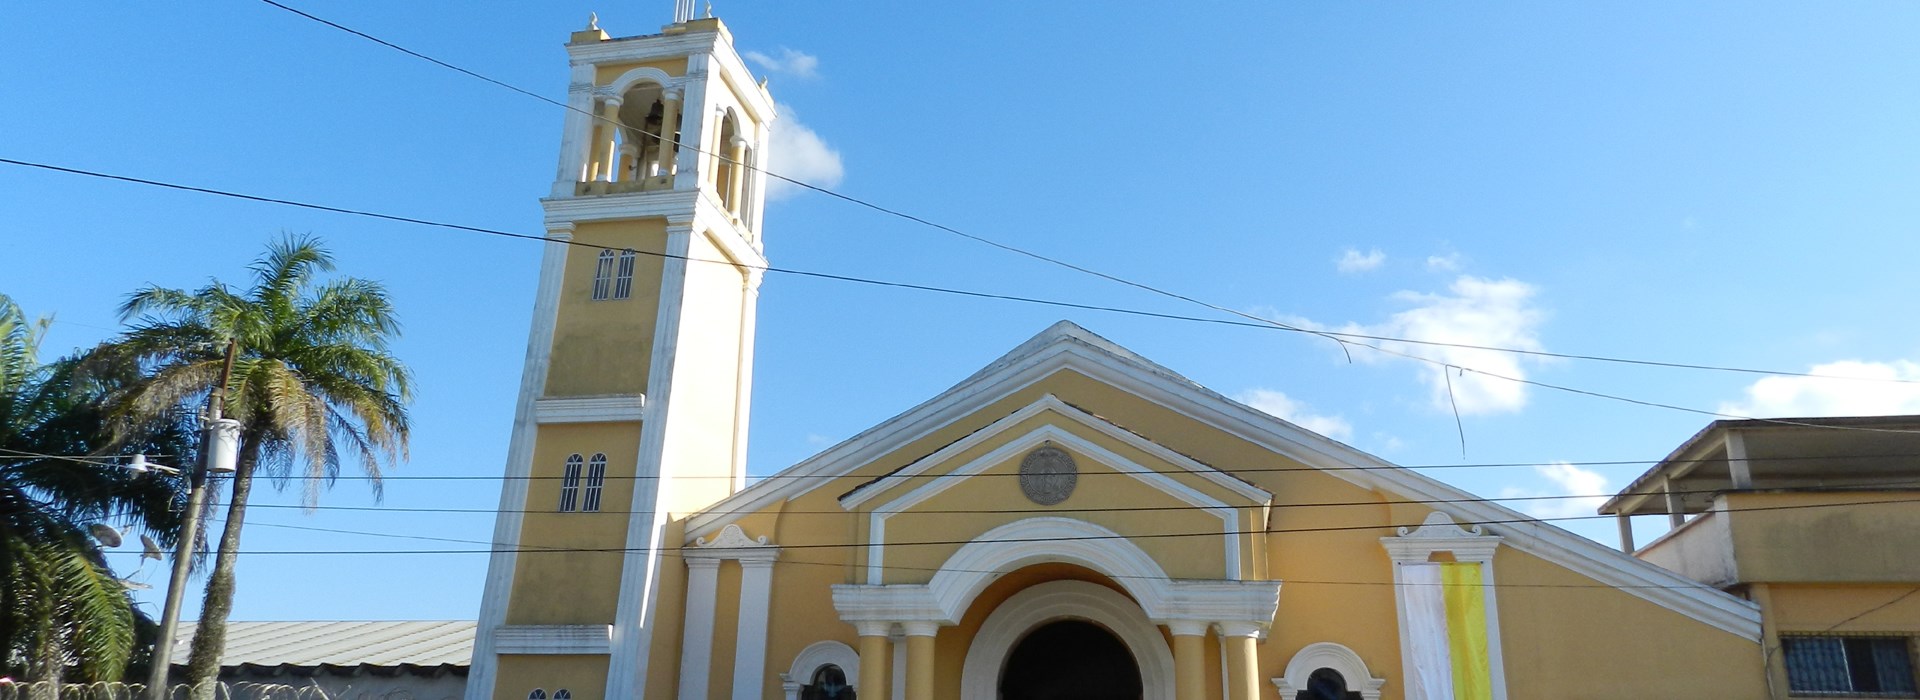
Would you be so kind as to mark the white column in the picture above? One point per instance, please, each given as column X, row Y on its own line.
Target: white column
column 1737, row 460
column 576, row 132
column 696, row 639
column 606, row 149
column 697, row 113
column 750, row 643
column 1676, row 511
column 736, row 152
column 669, row 123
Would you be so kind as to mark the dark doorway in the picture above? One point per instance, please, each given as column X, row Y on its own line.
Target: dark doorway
column 1070, row 660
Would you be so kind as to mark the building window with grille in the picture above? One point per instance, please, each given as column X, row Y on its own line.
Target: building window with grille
column 538, row 694
column 596, row 478
column 613, row 275
column 562, row 694
column 603, row 276
column 1880, row 667
column 570, row 485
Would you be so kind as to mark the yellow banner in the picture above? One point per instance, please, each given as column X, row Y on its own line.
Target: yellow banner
column 1467, row 630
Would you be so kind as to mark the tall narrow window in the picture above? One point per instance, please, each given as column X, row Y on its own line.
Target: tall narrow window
column 623, row 279
column 570, row 484
column 596, row 477
column 603, row 277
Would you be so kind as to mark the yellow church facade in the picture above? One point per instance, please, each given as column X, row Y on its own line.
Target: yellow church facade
column 1071, row 521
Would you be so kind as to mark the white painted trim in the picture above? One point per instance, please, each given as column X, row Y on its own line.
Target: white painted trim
column 1068, row 347
column 627, row 80
column 696, row 634
column 1049, row 402
column 552, row 639
column 643, row 48
column 590, row 409
column 1065, row 600
column 646, row 524
column 513, row 489
column 1468, row 545
column 822, row 653
column 1319, row 655
column 877, row 520
column 947, row 596
column 750, row 639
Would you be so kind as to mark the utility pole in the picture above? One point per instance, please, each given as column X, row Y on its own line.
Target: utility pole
column 219, row 446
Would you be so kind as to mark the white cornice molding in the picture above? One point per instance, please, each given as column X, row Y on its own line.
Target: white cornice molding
column 643, row 48
column 877, row 521
column 1319, row 655
column 732, row 543
column 1440, row 534
column 615, row 207
column 590, row 409
column 553, row 639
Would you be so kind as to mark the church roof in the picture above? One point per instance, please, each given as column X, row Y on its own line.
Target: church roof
column 1066, row 345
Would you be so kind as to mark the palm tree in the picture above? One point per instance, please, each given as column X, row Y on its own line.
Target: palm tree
column 312, row 384
column 62, row 609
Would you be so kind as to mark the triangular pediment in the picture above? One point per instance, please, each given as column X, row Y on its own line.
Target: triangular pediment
column 1066, row 348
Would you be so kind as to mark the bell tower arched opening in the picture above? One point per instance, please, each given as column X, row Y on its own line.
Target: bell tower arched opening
column 1070, row 660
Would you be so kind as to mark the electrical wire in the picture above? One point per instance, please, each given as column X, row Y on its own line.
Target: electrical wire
column 1256, row 320
column 1116, row 536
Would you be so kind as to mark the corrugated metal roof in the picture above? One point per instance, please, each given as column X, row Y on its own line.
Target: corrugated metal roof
column 349, row 643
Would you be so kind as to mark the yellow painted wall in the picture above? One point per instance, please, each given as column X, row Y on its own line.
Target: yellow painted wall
column 604, row 347
column 1824, row 537
column 1564, row 637
column 585, row 676
column 1808, row 608
column 573, row 587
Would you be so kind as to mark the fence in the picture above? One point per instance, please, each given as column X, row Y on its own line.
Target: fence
column 223, row 691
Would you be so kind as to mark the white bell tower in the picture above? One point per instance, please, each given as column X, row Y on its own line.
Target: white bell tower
column 634, row 400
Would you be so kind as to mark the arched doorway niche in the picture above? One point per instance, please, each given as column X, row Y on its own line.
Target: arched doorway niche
column 1040, row 604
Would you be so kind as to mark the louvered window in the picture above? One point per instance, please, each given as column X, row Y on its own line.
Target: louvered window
column 603, row 276
column 623, row 276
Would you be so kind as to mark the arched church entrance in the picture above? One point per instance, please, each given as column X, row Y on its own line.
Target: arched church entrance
column 1070, row 660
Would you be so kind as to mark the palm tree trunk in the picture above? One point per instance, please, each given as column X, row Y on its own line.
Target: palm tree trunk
column 210, row 637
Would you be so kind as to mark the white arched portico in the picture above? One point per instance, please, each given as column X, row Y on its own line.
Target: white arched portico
column 1240, row 610
column 1065, row 600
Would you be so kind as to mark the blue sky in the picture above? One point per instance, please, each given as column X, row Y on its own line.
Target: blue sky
column 1727, row 183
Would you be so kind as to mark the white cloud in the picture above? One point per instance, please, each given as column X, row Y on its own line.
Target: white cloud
column 1567, row 480
column 798, row 64
column 1809, row 397
column 799, row 153
column 1353, row 261
column 1474, row 311
column 1286, row 408
column 1443, row 263
column 818, row 440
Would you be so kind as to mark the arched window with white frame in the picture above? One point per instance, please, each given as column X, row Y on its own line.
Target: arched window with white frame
column 562, row 694
column 596, row 478
column 570, row 485
column 623, row 275
column 538, row 694
column 603, row 276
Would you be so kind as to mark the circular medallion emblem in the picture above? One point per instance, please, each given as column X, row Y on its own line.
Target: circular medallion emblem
column 1048, row 475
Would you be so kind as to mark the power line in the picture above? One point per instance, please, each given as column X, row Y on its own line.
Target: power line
column 1018, row 540
column 929, row 288
column 95, row 460
column 1255, row 320
column 928, row 569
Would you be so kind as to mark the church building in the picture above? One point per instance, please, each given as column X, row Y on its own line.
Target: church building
column 1072, row 521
